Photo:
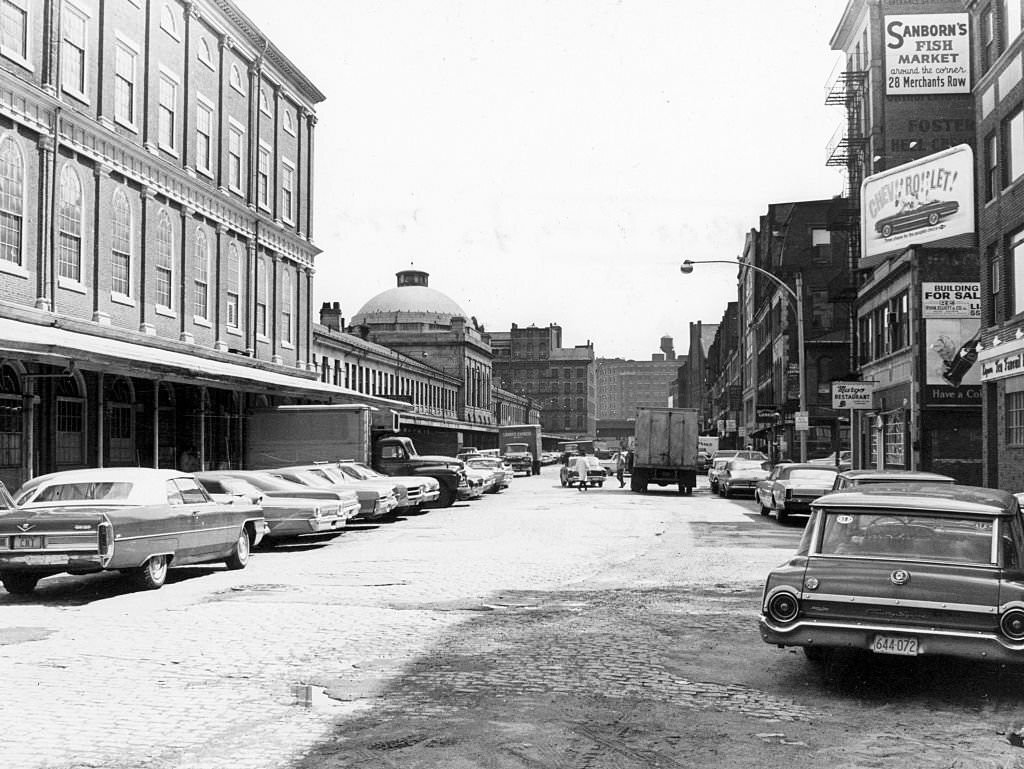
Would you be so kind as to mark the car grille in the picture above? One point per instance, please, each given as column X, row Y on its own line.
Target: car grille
column 413, row 493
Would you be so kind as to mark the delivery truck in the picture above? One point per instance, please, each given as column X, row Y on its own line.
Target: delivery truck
column 298, row 435
column 665, row 449
column 520, row 447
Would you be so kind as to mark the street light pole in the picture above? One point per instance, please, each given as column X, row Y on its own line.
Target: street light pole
column 797, row 297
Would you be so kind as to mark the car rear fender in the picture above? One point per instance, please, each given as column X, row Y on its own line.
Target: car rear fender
column 788, row 576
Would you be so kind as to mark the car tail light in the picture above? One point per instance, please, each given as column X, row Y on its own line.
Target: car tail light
column 783, row 606
column 1012, row 624
column 105, row 539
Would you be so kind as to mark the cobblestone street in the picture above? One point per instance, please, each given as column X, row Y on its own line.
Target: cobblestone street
column 542, row 627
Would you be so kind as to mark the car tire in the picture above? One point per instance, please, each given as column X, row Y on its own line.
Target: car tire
column 726, row 492
column 886, row 230
column 764, row 510
column 152, row 574
column 447, row 498
column 782, row 515
column 19, row 584
column 240, row 553
column 933, row 219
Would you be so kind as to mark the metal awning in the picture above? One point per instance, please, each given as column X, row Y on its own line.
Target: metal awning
column 63, row 347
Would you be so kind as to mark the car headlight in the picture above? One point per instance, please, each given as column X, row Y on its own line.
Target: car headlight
column 783, row 606
column 1012, row 624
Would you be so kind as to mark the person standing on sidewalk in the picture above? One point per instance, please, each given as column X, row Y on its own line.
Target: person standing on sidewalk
column 620, row 467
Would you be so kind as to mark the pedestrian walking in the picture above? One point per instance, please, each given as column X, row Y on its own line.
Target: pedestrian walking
column 620, row 467
column 580, row 466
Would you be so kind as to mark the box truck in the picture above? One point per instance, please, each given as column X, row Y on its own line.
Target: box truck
column 520, row 447
column 665, row 449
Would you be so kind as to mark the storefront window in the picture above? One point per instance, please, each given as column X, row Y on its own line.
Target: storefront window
column 895, row 449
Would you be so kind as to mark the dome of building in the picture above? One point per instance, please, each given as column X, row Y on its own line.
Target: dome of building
column 413, row 297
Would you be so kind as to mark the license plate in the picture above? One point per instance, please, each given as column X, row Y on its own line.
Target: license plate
column 891, row 644
column 27, row 543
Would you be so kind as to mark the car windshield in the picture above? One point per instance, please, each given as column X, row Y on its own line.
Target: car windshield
column 107, row 491
column 916, row 537
column 812, row 476
column 747, row 464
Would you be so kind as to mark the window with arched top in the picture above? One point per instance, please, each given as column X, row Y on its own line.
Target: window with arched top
column 12, row 200
column 120, row 244
column 204, row 53
column 288, row 121
column 120, row 422
column 287, row 307
column 262, row 295
column 164, row 262
column 169, row 21
column 264, row 102
column 201, row 275
column 233, row 292
column 69, row 415
column 236, row 79
column 69, row 262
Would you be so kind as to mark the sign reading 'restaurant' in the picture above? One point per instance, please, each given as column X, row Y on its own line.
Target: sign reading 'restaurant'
column 852, row 395
column 927, row 53
column 924, row 201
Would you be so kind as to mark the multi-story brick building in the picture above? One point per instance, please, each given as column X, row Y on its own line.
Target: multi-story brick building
column 155, row 222
column 625, row 385
column 998, row 47
column 531, row 361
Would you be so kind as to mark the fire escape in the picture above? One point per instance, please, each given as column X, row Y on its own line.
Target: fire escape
column 848, row 88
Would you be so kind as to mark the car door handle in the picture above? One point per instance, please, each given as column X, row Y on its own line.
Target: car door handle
column 195, row 513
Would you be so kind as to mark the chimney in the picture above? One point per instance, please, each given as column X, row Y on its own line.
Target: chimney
column 330, row 316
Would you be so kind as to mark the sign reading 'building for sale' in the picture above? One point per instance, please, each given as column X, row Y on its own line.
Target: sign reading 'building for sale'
column 927, row 53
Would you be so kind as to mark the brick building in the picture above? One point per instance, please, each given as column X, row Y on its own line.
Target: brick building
column 625, row 385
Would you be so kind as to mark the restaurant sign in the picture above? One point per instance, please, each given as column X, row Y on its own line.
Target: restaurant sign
column 853, row 395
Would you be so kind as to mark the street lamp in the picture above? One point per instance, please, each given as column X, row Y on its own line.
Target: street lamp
column 798, row 299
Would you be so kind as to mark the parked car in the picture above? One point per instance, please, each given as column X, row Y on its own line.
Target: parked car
column 290, row 509
column 741, row 476
column 501, row 469
column 135, row 520
column 791, row 487
column 852, row 478
column 487, row 475
column 714, row 470
column 375, row 500
column 932, row 569
column 927, row 214
column 414, row 491
column 474, row 487
column 845, row 460
column 596, row 475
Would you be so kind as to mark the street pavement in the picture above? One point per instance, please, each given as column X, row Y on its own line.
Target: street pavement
column 539, row 627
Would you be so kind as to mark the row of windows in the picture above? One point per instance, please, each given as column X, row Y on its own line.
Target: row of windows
column 70, row 216
column 885, row 330
column 546, row 387
column 15, row 24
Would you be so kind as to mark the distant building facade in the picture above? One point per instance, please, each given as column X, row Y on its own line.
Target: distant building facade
column 624, row 385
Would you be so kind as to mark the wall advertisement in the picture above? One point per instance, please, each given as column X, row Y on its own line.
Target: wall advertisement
column 927, row 53
column 925, row 201
column 951, row 375
column 951, row 300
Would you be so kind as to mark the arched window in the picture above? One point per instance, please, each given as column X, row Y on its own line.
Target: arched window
column 120, row 244
column 69, row 263
column 262, row 294
column 289, row 124
column 164, row 260
column 264, row 102
column 234, row 286
column 287, row 307
column 120, row 416
column 236, row 79
column 12, row 200
column 202, row 275
column 168, row 22
column 10, row 418
column 204, row 53
column 70, row 422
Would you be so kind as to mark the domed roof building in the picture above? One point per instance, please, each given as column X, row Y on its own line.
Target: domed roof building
column 427, row 325
column 411, row 301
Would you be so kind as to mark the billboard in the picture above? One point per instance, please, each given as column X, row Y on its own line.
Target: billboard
column 927, row 53
column 928, row 200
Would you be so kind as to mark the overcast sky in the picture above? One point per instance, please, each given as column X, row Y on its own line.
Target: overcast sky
column 553, row 161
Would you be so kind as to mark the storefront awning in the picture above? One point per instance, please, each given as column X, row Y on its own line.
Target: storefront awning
column 65, row 347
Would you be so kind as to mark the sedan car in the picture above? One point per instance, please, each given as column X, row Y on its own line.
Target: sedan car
column 792, row 487
column 741, row 476
column 138, row 521
column 414, row 491
column 290, row 509
column 927, row 569
column 595, row 473
column 376, row 499
column 852, row 478
column 714, row 470
column 926, row 215
column 501, row 470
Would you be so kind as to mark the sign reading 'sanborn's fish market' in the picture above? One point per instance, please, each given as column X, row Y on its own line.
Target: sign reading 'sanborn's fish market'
column 927, row 53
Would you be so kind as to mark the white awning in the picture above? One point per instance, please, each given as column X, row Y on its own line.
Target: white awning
column 61, row 346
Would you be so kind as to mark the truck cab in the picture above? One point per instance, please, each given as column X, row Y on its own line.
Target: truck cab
column 397, row 455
